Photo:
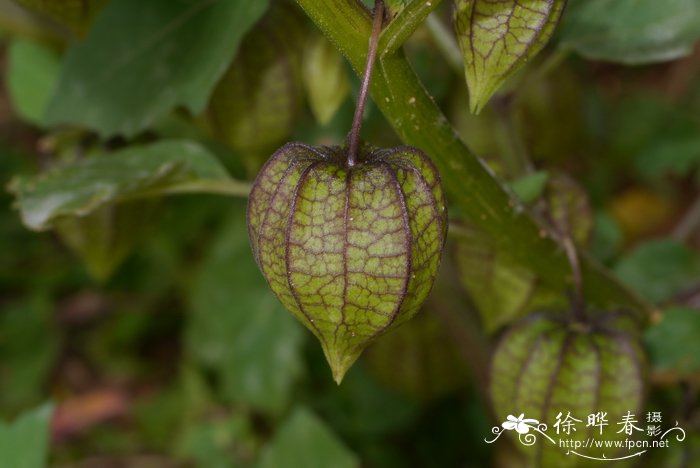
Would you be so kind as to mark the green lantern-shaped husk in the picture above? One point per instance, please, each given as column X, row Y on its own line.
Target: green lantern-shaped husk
column 549, row 366
column 351, row 251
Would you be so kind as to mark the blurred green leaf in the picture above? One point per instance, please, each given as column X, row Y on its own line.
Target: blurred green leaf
column 659, row 269
column 135, row 172
column 210, row 443
column 673, row 343
column 352, row 408
column 28, row 346
column 325, row 78
column 238, row 328
column 530, row 187
column 25, row 442
column 676, row 156
column 105, row 237
column 607, row 237
column 136, row 67
column 31, row 77
column 304, row 441
column 631, row 31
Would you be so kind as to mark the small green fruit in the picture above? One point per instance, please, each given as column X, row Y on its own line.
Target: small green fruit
column 350, row 250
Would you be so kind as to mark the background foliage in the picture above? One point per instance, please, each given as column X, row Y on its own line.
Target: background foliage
column 136, row 329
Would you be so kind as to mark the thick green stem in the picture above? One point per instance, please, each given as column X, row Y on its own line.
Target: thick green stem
column 418, row 121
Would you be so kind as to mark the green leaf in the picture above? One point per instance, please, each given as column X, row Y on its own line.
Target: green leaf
column 239, row 329
column 106, row 236
column 29, row 348
column 659, row 269
column 209, row 443
column 607, row 237
column 676, row 156
column 31, row 77
column 303, row 440
column 498, row 38
column 256, row 103
column 351, row 408
column 138, row 171
column 325, row 78
column 673, row 342
column 135, row 68
column 631, row 31
column 530, row 187
column 25, row 442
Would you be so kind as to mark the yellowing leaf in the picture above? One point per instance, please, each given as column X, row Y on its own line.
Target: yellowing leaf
column 498, row 37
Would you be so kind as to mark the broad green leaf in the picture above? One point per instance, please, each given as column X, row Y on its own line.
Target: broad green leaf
column 75, row 14
column 31, row 77
column 138, row 171
column 659, row 269
column 256, row 103
column 135, row 68
column 237, row 327
column 673, row 343
column 106, row 236
column 304, row 441
column 501, row 290
column 498, row 37
column 631, row 31
column 25, row 442
column 325, row 78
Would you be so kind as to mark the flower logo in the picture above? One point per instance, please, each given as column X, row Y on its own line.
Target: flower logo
column 520, row 424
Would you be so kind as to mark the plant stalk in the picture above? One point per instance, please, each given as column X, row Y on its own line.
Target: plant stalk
column 354, row 137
